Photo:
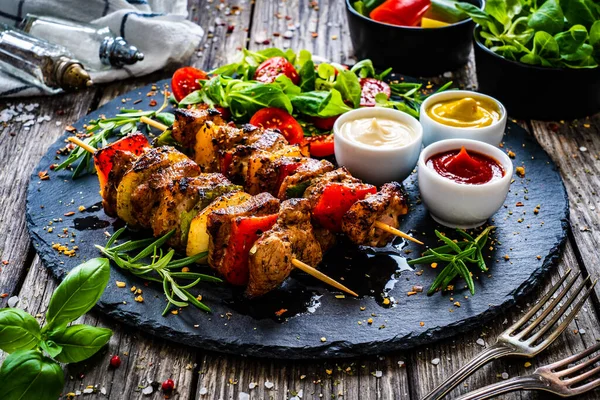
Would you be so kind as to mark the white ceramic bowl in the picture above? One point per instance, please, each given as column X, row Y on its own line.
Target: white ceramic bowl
column 434, row 131
column 458, row 205
column 377, row 165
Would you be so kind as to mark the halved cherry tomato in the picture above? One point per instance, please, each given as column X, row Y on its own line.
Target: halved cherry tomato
column 370, row 88
column 185, row 81
column 321, row 145
column 276, row 118
column 324, row 123
column 270, row 69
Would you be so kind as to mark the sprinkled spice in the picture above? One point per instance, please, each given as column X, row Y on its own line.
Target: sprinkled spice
column 121, row 284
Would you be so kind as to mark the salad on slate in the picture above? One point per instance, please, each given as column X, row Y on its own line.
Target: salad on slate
column 550, row 33
column 280, row 89
column 421, row 13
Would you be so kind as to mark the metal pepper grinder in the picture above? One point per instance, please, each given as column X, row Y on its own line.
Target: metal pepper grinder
column 98, row 48
column 40, row 63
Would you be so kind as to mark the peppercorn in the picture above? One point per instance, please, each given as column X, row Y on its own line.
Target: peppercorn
column 115, row 361
column 168, row 386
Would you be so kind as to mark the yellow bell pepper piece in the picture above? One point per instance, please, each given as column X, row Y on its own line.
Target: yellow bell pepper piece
column 432, row 23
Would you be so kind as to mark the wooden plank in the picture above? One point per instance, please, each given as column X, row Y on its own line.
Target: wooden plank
column 320, row 28
column 457, row 351
column 575, row 148
column 21, row 147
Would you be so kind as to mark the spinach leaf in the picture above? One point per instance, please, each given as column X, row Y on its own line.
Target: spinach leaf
column 498, row 10
column 580, row 12
column 80, row 342
column 507, row 51
column 166, row 118
column 320, row 103
column 287, row 85
column 595, row 38
column 480, row 17
column 570, row 41
column 349, row 87
column 548, row 18
column 27, row 374
column 306, row 71
column 78, row 293
column 545, row 46
column 193, row 98
column 244, row 100
column 18, row 330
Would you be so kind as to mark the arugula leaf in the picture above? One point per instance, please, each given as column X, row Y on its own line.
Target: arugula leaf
column 320, row 103
column 18, row 330
column 78, row 293
column 27, row 374
column 548, row 18
column 79, row 342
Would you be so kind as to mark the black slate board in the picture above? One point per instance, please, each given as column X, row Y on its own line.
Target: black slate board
column 251, row 328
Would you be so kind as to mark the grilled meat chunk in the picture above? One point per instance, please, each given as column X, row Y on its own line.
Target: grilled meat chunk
column 146, row 197
column 270, row 261
column 189, row 121
column 152, row 164
column 220, row 223
column 387, row 206
column 294, row 184
column 121, row 163
column 181, row 199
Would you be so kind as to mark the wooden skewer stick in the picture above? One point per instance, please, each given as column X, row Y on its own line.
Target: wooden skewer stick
column 321, row 276
column 295, row 262
column 82, row 144
column 394, row 231
column 154, row 123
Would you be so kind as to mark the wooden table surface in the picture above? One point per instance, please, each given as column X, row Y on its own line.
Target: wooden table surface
column 320, row 27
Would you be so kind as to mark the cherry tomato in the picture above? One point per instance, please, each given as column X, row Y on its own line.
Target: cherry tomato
column 321, row 145
column 370, row 88
column 185, row 81
column 276, row 118
column 324, row 123
column 270, row 69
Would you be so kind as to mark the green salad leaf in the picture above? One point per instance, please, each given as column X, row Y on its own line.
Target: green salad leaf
column 547, row 33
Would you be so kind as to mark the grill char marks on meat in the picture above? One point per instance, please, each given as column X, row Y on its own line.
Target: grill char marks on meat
column 181, row 199
column 309, row 170
column 387, row 206
column 121, row 163
column 220, row 224
column 292, row 236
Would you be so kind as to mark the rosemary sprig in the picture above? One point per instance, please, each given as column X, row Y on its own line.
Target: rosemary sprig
column 102, row 129
column 161, row 267
column 456, row 255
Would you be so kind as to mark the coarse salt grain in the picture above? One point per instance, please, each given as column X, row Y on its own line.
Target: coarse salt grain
column 269, row 384
column 480, row 342
column 203, row 391
column 435, row 361
column 504, row 375
column 243, row 396
column 378, row 374
column 147, row 390
column 13, row 301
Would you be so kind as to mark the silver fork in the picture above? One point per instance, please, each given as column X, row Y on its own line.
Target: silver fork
column 550, row 378
column 524, row 343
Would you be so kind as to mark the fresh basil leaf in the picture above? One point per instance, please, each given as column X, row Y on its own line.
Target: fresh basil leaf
column 18, row 330
column 166, row 118
column 51, row 348
column 320, row 103
column 548, row 18
column 80, row 342
column 193, row 98
column 78, row 293
column 27, row 374
column 244, row 102
column 349, row 87
column 480, row 17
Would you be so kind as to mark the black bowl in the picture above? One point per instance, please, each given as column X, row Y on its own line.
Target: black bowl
column 532, row 92
column 411, row 50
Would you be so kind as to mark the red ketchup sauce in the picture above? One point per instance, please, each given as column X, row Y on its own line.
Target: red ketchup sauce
column 471, row 168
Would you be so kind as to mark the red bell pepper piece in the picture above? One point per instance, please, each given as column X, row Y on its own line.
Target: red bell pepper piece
column 136, row 144
column 285, row 170
column 244, row 232
column 226, row 160
column 401, row 12
column 336, row 200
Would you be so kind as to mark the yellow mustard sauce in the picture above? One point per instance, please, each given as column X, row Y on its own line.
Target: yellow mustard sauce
column 465, row 113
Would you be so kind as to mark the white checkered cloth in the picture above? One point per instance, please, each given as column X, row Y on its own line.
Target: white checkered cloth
column 158, row 28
